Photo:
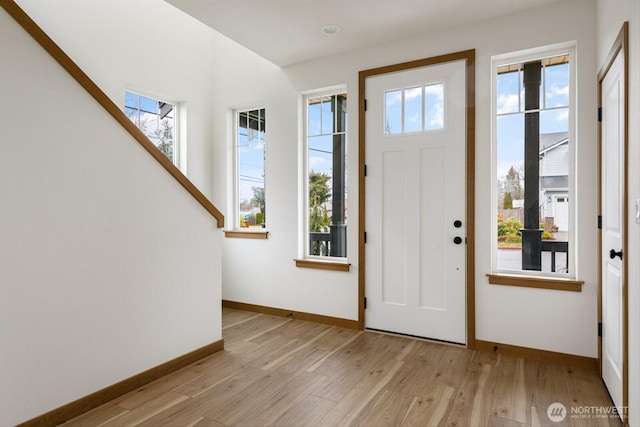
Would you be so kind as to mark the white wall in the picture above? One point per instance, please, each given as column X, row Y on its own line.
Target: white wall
column 145, row 46
column 611, row 15
column 263, row 272
column 504, row 314
column 107, row 266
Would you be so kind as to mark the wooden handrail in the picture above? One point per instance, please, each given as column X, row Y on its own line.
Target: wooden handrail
column 25, row 21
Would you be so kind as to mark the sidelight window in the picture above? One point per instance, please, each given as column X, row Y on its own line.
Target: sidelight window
column 326, row 170
column 250, row 169
column 534, row 168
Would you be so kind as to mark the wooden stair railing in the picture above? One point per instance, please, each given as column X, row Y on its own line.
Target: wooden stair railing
column 21, row 17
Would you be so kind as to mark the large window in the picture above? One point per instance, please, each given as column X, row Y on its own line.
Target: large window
column 156, row 119
column 326, row 137
column 250, row 158
column 534, row 162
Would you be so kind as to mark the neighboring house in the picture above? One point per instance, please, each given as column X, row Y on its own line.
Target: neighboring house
column 554, row 180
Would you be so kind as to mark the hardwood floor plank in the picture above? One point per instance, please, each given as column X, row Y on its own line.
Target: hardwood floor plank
column 288, row 372
column 210, row 399
column 352, row 355
column 390, row 410
column 547, row 385
column 284, row 399
column 430, row 408
column 147, row 410
column 349, row 407
column 101, row 415
column 266, row 334
column 307, row 412
column 337, row 349
column 420, row 367
column 586, row 394
column 206, row 422
column 496, row 421
column 353, row 369
column 252, row 330
column 452, row 366
column 473, row 401
column 504, row 402
column 288, row 355
column 228, row 325
column 148, row 392
column 232, row 317
column 219, row 369
column 230, row 411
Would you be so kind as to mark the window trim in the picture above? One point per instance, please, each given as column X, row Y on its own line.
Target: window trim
column 236, row 231
column 526, row 278
column 305, row 260
column 530, row 281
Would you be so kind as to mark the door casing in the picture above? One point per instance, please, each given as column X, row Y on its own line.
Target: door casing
column 469, row 57
column 620, row 46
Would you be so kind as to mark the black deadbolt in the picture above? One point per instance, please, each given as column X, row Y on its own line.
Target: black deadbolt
column 457, row 223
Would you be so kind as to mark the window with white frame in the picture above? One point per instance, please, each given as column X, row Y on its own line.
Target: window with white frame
column 534, row 168
column 250, row 172
column 156, row 119
column 326, row 171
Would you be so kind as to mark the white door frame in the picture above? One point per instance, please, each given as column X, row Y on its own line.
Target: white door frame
column 620, row 46
column 469, row 57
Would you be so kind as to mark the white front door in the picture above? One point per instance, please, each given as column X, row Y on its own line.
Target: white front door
column 613, row 228
column 415, row 281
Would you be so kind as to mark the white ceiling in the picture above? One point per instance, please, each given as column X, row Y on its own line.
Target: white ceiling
column 289, row 31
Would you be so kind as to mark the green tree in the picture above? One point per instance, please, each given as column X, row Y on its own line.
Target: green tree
column 319, row 194
column 512, row 184
column 165, row 136
column 258, row 200
column 508, row 201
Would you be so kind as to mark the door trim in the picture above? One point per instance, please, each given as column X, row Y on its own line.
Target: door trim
column 620, row 46
column 469, row 57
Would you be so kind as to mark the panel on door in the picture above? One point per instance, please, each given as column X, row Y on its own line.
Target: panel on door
column 415, row 280
column 612, row 181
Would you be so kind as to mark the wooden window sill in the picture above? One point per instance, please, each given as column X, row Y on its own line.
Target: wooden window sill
column 555, row 283
column 322, row 265
column 246, row 234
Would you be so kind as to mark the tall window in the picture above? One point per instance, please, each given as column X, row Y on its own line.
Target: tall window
column 156, row 119
column 534, row 151
column 326, row 135
column 250, row 153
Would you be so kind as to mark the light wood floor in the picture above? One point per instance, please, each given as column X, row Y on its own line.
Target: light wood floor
column 286, row 372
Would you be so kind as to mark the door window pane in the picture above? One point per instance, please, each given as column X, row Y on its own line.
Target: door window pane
column 413, row 109
column 434, row 107
column 393, row 112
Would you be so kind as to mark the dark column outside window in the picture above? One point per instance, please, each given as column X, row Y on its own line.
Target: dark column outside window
column 532, row 234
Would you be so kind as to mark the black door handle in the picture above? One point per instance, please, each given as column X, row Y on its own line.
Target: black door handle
column 457, row 240
column 613, row 254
